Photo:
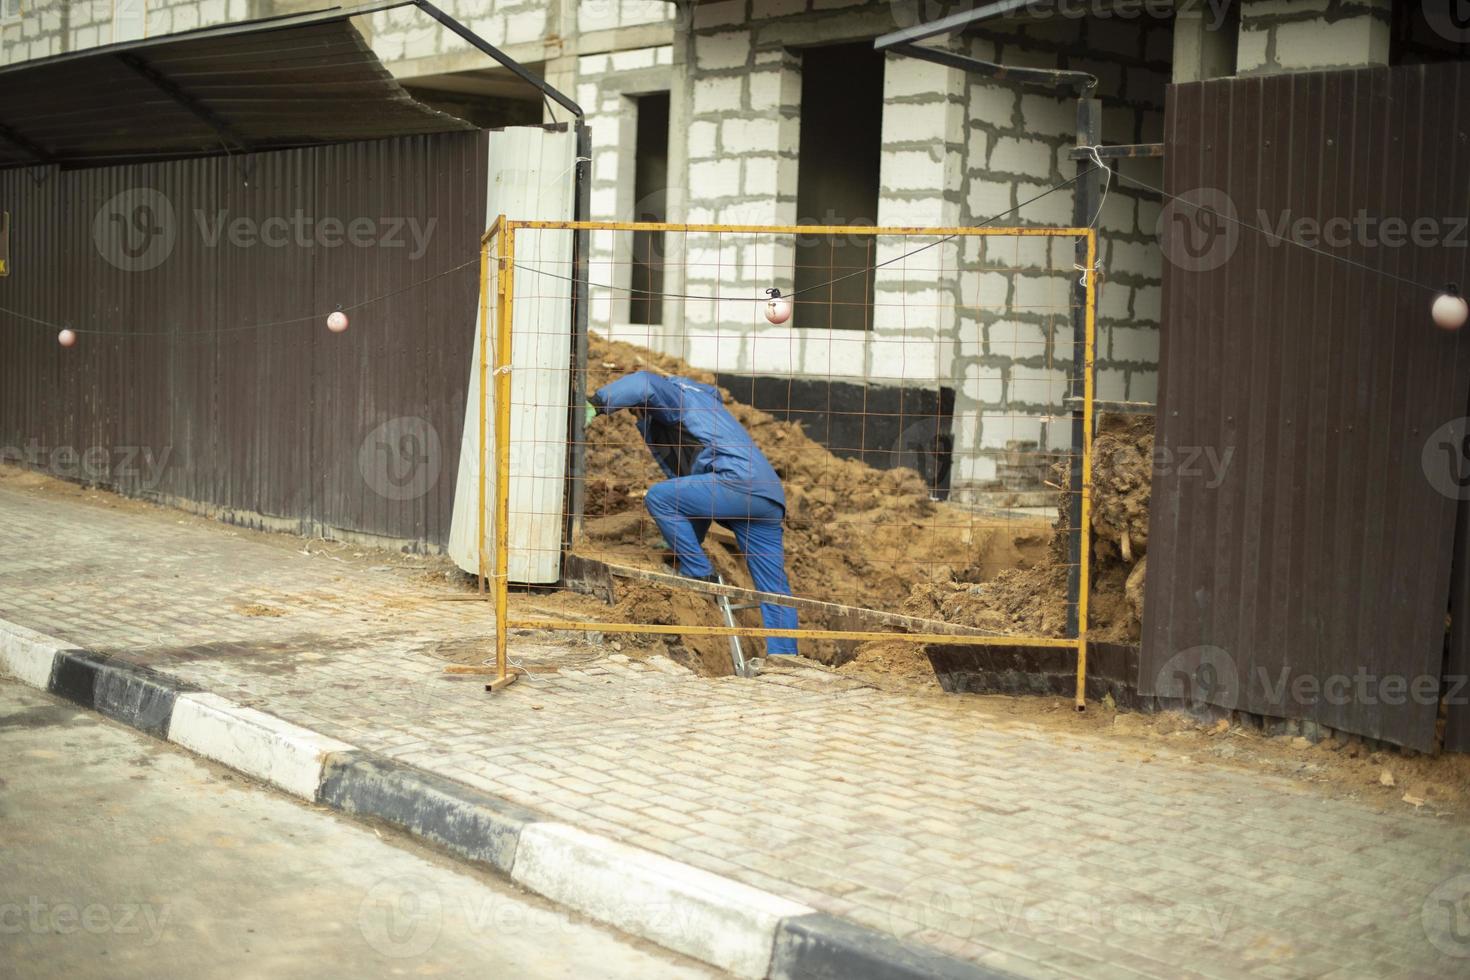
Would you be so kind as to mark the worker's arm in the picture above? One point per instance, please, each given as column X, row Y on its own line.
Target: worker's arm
column 632, row 391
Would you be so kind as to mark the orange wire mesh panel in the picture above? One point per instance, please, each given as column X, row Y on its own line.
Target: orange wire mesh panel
column 803, row 438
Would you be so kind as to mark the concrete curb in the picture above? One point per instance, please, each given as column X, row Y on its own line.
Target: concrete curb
column 473, row 825
column 260, row 745
column 713, row 919
column 720, row 921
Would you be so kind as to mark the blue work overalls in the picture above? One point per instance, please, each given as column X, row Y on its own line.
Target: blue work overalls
column 716, row 473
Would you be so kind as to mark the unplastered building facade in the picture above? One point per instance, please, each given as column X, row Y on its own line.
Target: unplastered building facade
column 777, row 112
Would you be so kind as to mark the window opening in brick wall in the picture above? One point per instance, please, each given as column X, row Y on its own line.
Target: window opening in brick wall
column 837, row 182
column 650, row 194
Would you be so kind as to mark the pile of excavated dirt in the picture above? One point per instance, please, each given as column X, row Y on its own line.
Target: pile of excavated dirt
column 1033, row 600
column 854, row 535
column 869, row 538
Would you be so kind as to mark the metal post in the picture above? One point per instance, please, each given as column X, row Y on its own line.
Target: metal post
column 502, row 453
column 577, row 422
column 1084, row 209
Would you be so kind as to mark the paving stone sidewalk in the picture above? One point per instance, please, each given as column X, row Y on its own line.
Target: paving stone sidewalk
column 927, row 817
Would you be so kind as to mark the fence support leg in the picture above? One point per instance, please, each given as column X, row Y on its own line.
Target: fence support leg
column 1084, row 209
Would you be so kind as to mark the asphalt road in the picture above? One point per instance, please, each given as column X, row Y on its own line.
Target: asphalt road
column 122, row 856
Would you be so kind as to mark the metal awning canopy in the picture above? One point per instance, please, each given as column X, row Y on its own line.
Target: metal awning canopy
column 285, row 81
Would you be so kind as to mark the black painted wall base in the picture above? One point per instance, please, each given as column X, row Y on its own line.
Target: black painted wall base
column 885, row 426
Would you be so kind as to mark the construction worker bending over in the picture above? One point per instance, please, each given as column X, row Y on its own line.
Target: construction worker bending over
column 715, row 473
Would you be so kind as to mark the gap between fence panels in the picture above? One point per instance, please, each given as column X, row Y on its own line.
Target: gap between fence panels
column 728, row 285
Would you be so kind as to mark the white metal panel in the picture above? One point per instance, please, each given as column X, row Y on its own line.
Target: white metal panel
column 532, row 177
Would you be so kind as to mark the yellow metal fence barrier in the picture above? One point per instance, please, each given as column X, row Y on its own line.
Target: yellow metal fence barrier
column 498, row 247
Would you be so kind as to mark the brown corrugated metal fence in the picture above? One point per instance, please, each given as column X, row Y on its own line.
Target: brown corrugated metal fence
column 185, row 396
column 1308, row 577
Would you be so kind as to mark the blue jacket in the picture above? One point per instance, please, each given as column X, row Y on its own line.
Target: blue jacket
column 689, row 431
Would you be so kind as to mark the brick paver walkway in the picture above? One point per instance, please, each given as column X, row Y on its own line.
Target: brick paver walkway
column 929, row 817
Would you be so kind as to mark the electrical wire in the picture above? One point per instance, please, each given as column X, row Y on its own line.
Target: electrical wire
column 865, row 270
column 1277, row 238
column 357, row 306
column 243, row 327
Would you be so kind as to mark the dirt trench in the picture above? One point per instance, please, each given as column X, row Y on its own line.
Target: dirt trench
column 860, row 536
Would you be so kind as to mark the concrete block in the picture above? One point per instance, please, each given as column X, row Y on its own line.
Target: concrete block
column 714, row 178
column 1117, row 213
column 1027, row 157
column 930, row 122
column 186, row 18
column 834, row 353
column 1137, row 259
column 989, row 197
column 632, row 60
column 768, row 9
column 1054, row 209
column 766, row 90
column 1042, row 294
column 991, row 291
column 713, row 52
column 260, row 745
column 1148, row 302
column 27, row 655
column 999, row 428
column 717, row 95
column 722, row 14
column 1112, row 385
column 469, row 823
column 715, row 920
column 526, row 26
column 1133, row 344
column 762, row 176
column 993, row 104
column 1251, row 49
column 700, row 140
column 1044, row 383
column 750, row 135
column 1113, row 299
column 1259, row 10
column 1025, row 253
column 597, row 16
column 977, row 148
column 985, row 383
column 1143, row 386
column 775, row 355
column 910, row 77
column 1043, row 114
column 1016, row 340
column 912, row 170
column 634, row 12
column 1316, row 44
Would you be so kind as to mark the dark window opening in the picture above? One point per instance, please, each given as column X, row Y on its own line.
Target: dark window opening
column 837, row 183
column 650, row 193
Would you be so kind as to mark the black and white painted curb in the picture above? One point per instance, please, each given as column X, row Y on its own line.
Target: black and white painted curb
column 749, row 932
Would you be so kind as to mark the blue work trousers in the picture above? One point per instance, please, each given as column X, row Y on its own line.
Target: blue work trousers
column 683, row 508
